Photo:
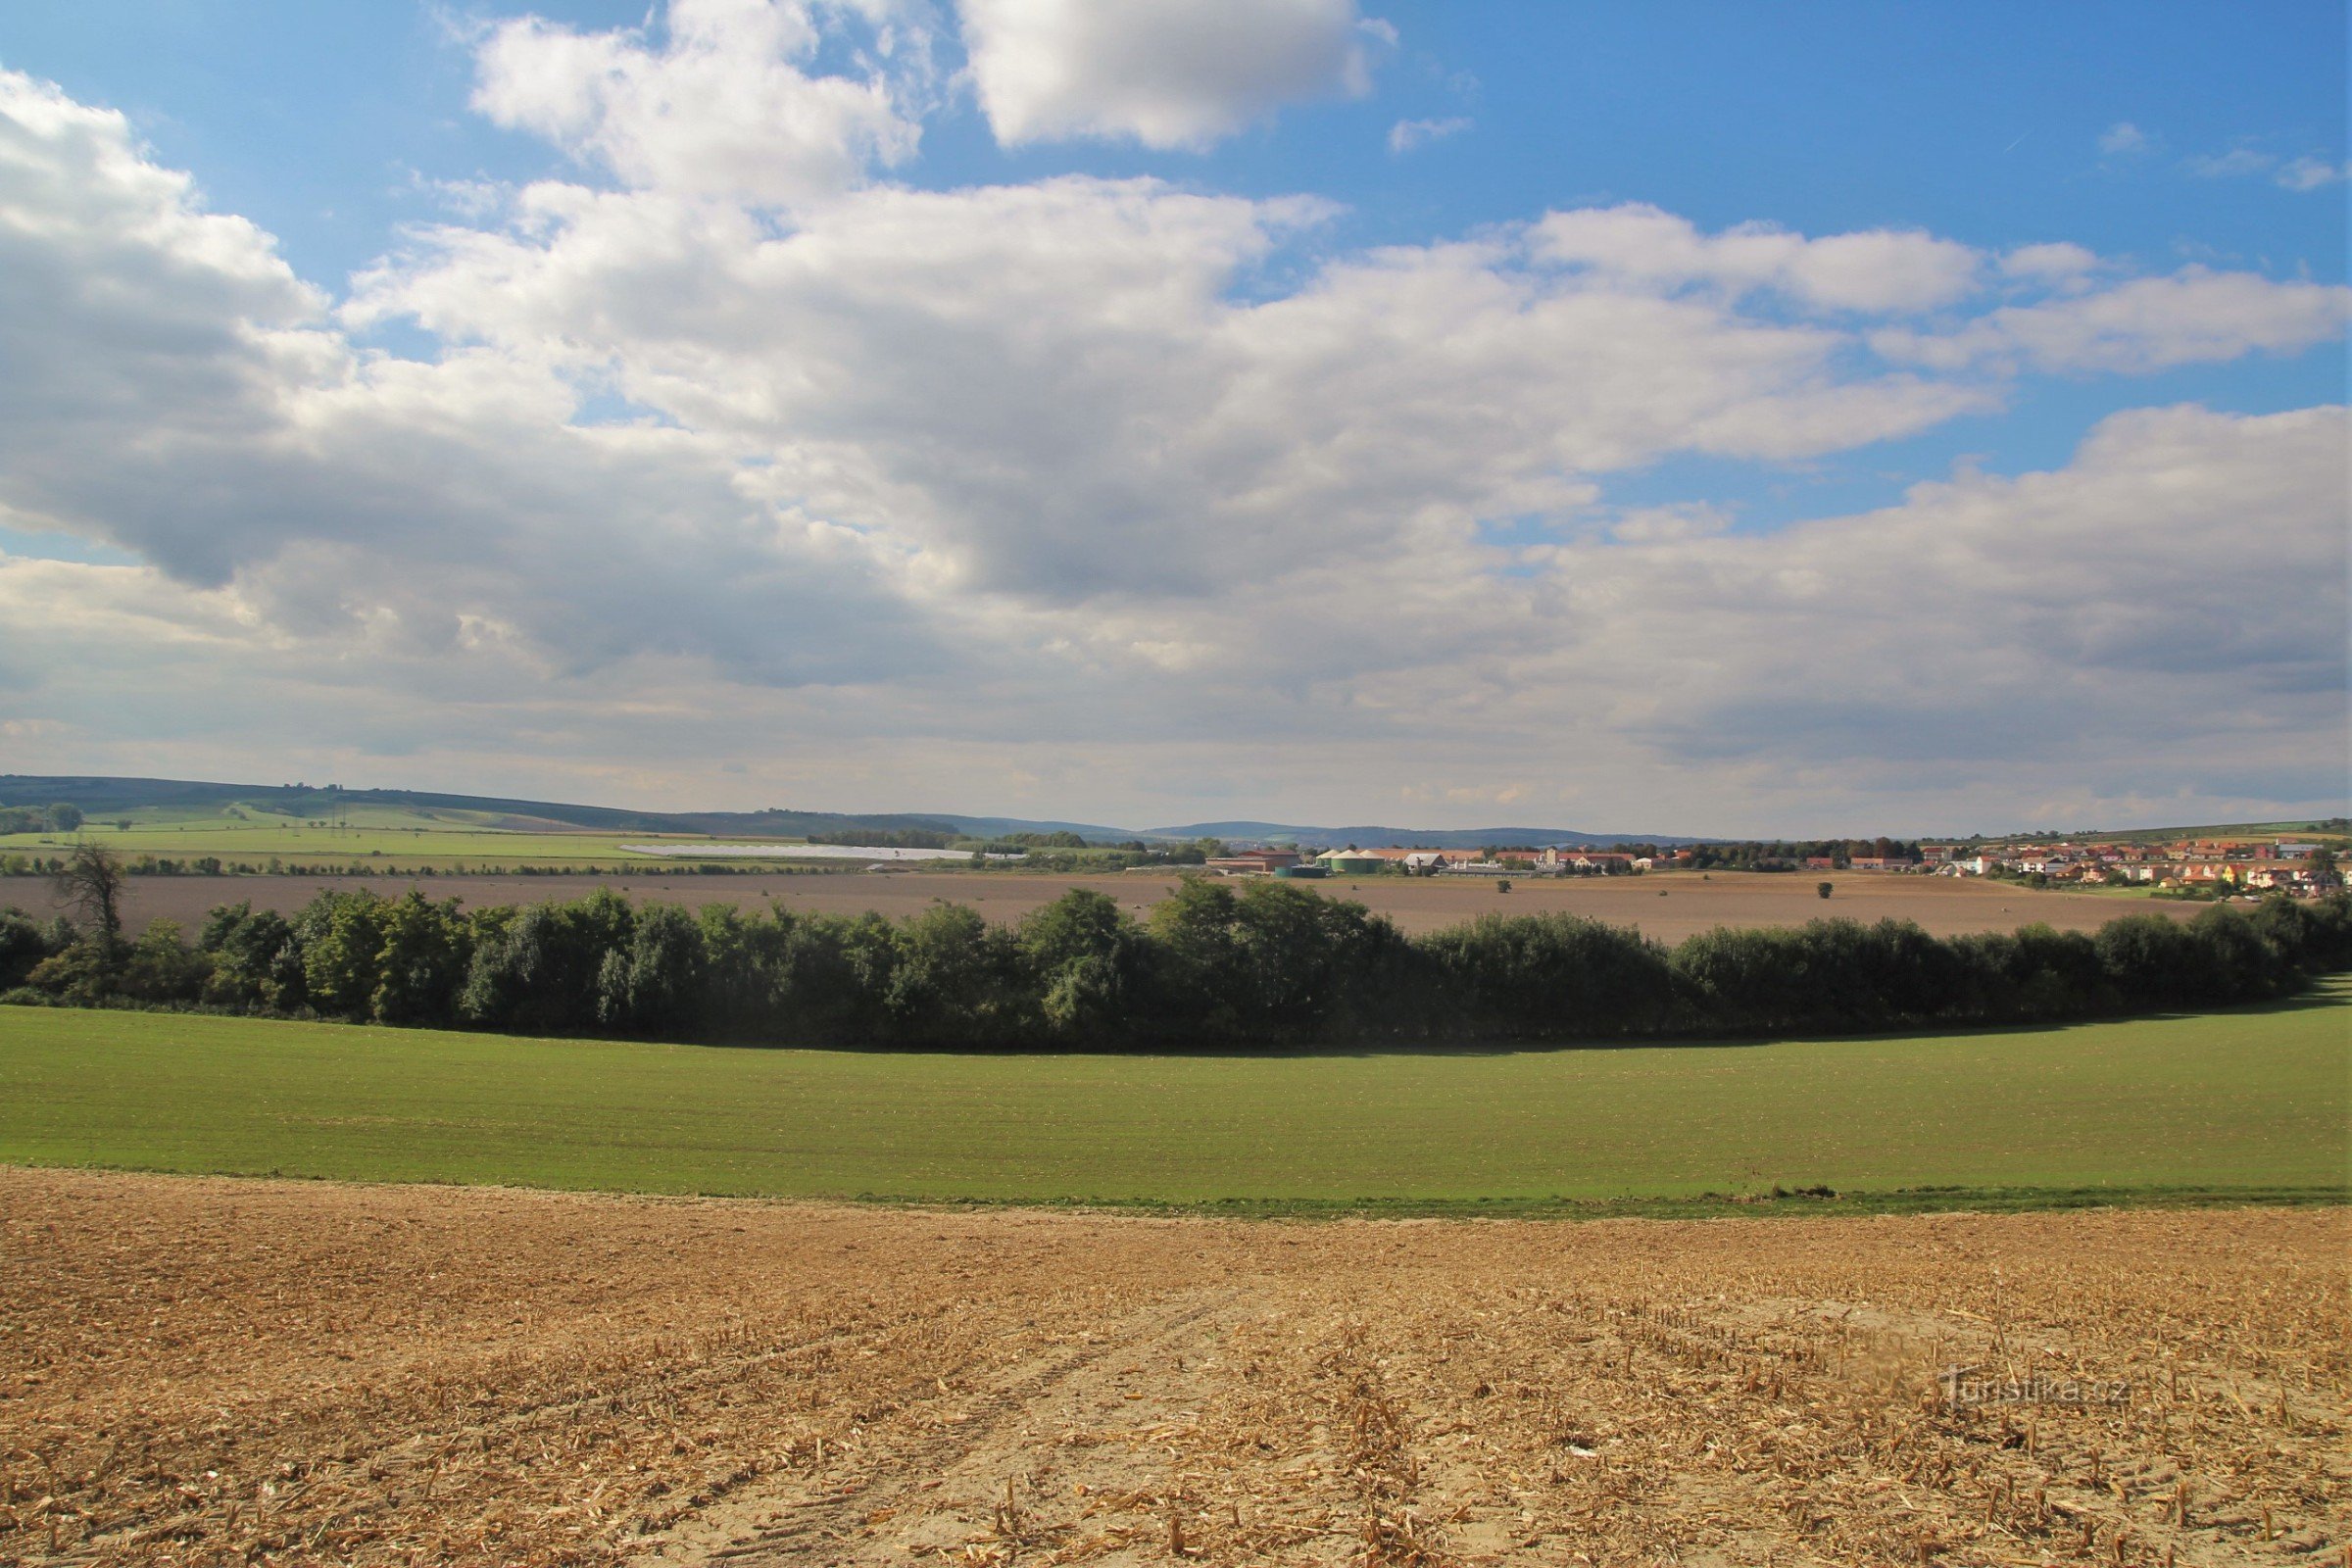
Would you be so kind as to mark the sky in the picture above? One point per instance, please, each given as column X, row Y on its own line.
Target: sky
column 1698, row 419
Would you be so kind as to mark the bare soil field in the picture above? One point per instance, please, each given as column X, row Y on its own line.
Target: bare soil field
column 212, row 1371
column 1669, row 906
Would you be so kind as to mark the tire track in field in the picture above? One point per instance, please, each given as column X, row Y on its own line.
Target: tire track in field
column 964, row 1475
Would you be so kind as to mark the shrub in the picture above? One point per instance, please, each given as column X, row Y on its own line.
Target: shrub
column 24, row 942
column 161, row 967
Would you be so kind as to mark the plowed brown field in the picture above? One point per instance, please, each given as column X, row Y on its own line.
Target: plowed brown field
column 211, row 1371
column 1669, row 906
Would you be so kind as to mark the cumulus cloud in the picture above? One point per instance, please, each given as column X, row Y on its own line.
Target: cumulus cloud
column 1986, row 615
column 1045, row 482
column 2056, row 262
column 1050, row 389
column 1168, row 74
column 2312, row 174
column 2237, row 163
column 1407, row 134
column 2123, row 137
column 1878, row 270
column 184, row 396
column 2307, row 172
column 721, row 104
column 2149, row 324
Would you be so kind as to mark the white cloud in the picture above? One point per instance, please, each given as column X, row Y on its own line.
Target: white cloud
column 2306, row 173
column 722, row 106
column 1048, row 388
column 2057, row 262
column 1034, row 487
column 1877, row 270
column 2123, row 137
column 182, row 396
column 1407, row 134
column 2148, row 324
column 2312, row 174
column 2237, row 163
column 1169, row 74
column 2090, row 620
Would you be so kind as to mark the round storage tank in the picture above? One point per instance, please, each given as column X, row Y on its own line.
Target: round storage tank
column 1354, row 864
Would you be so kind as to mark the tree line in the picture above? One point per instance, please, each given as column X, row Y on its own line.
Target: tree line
column 62, row 817
column 1265, row 965
column 1777, row 855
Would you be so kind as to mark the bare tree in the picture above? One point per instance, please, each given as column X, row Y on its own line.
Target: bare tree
column 90, row 887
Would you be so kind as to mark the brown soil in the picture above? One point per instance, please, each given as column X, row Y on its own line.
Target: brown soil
column 209, row 1371
column 1669, row 907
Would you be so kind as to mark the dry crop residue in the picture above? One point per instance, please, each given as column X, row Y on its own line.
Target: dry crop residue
column 214, row 1371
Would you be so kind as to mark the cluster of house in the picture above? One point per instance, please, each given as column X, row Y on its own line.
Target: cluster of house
column 2249, row 864
column 1550, row 860
column 2252, row 864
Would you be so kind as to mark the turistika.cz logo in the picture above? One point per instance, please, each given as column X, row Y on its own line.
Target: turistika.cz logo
column 1972, row 1385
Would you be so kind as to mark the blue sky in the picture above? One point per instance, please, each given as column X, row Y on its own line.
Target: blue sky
column 1085, row 405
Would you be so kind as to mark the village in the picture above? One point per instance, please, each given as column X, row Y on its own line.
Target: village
column 2307, row 867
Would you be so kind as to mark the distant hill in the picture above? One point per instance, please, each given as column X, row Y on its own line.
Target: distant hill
column 98, row 796
column 1467, row 838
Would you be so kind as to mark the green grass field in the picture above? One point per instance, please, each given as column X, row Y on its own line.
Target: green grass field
column 384, row 838
column 405, row 843
column 2252, row 1102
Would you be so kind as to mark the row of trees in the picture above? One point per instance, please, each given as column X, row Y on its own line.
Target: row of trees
column 1268, row 966
column 1781, row 854
column 62, row 817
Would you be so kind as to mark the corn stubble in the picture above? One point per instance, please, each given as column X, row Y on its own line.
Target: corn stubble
column 210, row 1372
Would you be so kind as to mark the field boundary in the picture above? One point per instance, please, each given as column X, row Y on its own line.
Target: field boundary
column 1779, row 1203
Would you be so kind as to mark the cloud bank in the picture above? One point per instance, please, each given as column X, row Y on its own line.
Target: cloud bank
column 733, row 452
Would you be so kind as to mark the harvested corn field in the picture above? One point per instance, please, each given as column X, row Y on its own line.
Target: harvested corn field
column 211, row 1371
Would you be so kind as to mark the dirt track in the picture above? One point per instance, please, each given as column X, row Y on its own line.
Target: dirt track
column 204, row 1370
column 1669, row 907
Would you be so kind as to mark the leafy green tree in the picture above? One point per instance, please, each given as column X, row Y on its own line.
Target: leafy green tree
column 1195, row 942
column 542, row 973
column 653, row 985
column 1305, row 961
column 837, row 977
column 958, row 980
column 342, row 936
column 255, row 959
column 1086, row 959
column 1550, row 976
column 421, row 965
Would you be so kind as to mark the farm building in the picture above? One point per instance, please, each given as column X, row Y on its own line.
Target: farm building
column 1255, row 862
